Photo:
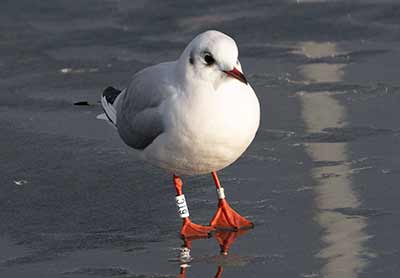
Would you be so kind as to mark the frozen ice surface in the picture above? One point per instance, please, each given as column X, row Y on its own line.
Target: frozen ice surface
column 320, row 180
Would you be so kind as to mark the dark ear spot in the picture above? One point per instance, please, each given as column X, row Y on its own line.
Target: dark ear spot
column 191, row 59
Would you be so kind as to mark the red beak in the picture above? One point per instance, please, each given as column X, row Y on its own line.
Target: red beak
column 235, row 73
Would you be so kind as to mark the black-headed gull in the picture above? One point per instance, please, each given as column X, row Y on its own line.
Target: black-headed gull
column 191, row 116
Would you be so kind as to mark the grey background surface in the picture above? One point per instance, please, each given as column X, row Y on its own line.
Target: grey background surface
column 320, row 181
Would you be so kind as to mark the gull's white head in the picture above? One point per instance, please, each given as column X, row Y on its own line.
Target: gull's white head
column 212, row 57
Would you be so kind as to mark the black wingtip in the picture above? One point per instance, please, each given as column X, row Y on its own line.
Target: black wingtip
column 110, row 93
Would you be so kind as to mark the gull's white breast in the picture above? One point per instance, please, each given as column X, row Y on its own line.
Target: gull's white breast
column 206, row 130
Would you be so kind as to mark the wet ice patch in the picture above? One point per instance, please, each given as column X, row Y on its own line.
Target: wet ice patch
column 314, row 50
column 345, row 134
column 326, row 163
column 323, row 72
column 363, row 212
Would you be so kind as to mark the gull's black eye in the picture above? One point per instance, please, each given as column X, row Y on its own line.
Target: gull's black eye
column 209, row 59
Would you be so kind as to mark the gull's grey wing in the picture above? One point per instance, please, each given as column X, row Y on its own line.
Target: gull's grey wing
column 139, row 121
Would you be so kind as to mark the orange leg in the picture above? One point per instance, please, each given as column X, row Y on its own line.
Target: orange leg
column 219, row 272
column 189, row 229
column 226, row 217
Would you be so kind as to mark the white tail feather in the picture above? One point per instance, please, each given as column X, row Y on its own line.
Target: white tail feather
column 109, row 110
column 102, row 116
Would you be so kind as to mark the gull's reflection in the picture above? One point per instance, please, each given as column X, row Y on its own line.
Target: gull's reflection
column 344, row 235
column 225, row 239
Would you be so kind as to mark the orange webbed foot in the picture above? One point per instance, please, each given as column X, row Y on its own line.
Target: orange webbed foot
column 191, row 230
column 226, row 218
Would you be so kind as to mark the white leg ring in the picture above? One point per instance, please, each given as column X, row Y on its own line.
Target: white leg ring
column 221, row 193
column 183, row 209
